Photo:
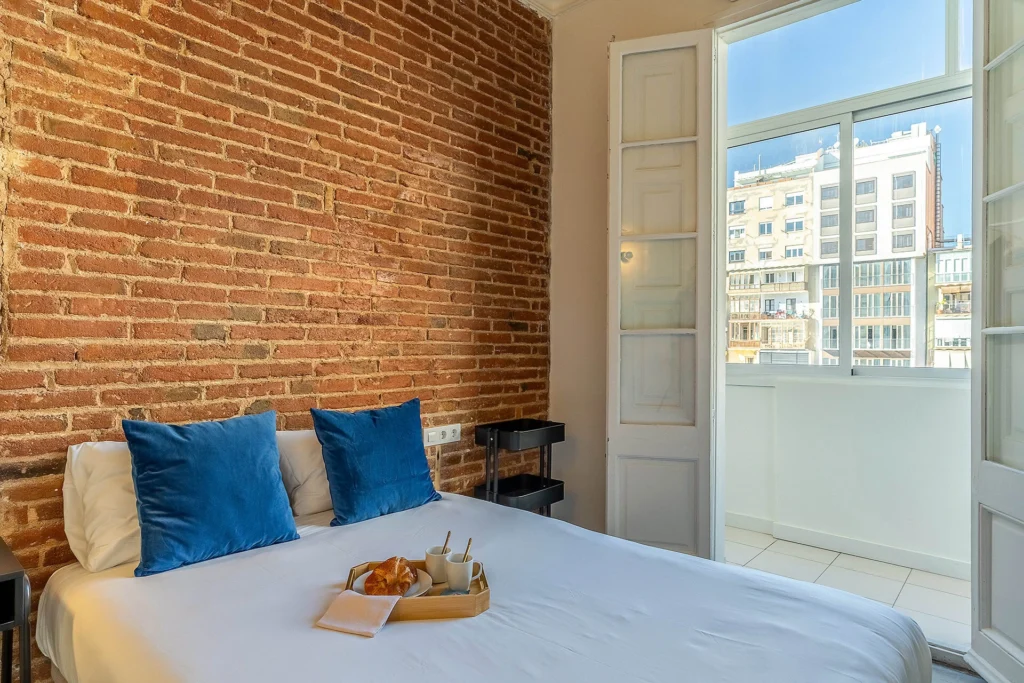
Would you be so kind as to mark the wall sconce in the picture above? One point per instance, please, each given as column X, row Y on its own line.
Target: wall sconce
column 626, row 256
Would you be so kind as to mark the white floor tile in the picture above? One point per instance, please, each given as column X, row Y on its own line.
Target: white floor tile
column 935, row 603
column 787, row 565
column 946, row 584
column 747, row 537
column 808, row 552
column 866, row 585
column 883, row 569
column 949, row 634
column 737, row 553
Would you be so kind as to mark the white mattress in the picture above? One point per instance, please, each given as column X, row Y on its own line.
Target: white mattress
column 566, row 605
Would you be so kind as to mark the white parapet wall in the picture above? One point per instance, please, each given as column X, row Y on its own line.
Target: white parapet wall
column 873, row 467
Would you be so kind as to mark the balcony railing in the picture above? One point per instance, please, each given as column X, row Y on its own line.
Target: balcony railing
column 942, row 278
column 956, row 308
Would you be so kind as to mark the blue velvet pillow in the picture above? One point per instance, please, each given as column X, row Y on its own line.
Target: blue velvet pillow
column 375, row 461
column 207, row 489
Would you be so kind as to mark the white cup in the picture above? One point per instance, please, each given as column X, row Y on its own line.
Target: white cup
column 435, row 562
column 461, row 573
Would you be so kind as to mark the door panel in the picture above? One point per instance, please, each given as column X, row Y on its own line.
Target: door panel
column 1007, row 543
column 661, row 293
column 657, row 94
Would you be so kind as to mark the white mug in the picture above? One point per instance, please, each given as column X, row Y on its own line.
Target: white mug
column 460, row 572
column 435, row 562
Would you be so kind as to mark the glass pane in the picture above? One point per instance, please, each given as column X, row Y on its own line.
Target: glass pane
column 659, row 281
column 1006, row 124
column 1006, row 25
column 912, row 239
column 659, row 95
column 659, row 189
column 658, row 379
column 782, row 265
column 966, row 26
column 860, row 48
column 1005, row 392
column 1005, row 253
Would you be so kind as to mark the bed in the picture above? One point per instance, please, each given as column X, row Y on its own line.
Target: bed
column 567, row 604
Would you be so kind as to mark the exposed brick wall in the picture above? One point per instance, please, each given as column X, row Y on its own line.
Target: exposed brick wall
column 216, row 207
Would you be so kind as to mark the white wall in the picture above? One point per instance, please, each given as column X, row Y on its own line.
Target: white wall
column 876, row 468
column 579, row 221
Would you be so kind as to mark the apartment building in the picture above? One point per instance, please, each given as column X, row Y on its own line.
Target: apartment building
column 950, row 279
column 770, row 252
column 896, row 213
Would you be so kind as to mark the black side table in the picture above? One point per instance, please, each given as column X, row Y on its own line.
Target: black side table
column 15, row 605
column 523, row 491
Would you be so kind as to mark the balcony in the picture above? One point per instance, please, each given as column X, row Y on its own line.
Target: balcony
column 947, row 278
column 954, row 308
column 837, row 482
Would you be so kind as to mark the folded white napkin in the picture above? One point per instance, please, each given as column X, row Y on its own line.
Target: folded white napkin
column 362, row 615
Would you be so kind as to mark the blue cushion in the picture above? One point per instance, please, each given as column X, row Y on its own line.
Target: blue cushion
column 207, row 489
column 375, row 461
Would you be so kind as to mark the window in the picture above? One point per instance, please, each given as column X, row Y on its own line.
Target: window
column 765, row 203
column 903, row 215
column 764, row 228
column 830, row 337
column 794, row 225
column 829, row 192
column 830, row 220
column 865, row 187
column 745, row 280
column 897, row 305
column 865, row 245
column 903, row 240
column 737, row 232
column 830, row 306
column 736, row 255
column 897, row 272
column 867, row 305
column 830, row 248
column 794, row 252
column 736, row 207
column 903, row 182
column 830, row 276
column 769, row 306
column 864, row 220
column 764, row 255
column 790, row 307
column 794, row 198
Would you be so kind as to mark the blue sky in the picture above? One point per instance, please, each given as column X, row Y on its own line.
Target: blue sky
column 863, row 47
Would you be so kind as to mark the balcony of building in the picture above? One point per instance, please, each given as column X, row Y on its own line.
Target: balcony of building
column 857, row 483
column 953, row 308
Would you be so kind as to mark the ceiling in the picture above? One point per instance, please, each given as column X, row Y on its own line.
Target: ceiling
column 551, row 7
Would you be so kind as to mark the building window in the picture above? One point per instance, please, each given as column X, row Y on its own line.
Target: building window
column 830, row 248
column 897, row 272
column 765, row 203
column 897, row 305
column 829, row 192
column 864, row 187
column 903, row 240
column 736, row 207
column 794, row 198
column 865, row 245
column 830, row 306
column 865, row 216
column 830, row 337
column 830, row 220
column 903, row 215
column 794, row 252
column 830, row 277
column 737, row 232
column 764, row 255
column 794, row 225
column 764, row 228
column 903, row 182
column 737, row 255
column 791, row 307
column 769, row 306
column 867, row 306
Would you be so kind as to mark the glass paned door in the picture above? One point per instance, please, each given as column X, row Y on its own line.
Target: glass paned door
column 660, row 292
column 997, row 638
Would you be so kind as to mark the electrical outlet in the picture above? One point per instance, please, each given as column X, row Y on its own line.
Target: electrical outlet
column 435, row 436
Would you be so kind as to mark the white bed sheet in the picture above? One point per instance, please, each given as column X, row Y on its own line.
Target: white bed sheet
column 566, row 605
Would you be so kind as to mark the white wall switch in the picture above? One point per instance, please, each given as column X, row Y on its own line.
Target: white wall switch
column 435, row 436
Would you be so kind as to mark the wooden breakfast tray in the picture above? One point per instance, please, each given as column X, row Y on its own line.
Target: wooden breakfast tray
column 433, row 605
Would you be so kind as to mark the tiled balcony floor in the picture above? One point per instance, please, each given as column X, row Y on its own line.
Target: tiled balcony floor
column 941, row 605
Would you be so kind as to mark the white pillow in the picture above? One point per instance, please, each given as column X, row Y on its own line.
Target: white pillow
column 303, row 471
column 100, row 515
column 102, row 475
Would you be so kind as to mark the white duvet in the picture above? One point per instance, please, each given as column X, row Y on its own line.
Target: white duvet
column 566, row 605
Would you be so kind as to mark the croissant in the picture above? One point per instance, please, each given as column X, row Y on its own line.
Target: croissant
column 393, row 576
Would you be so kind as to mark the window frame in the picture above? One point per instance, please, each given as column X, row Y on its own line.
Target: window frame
column 955, row 84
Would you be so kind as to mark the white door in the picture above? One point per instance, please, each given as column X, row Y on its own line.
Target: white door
column 997, row 640
column 661, row 293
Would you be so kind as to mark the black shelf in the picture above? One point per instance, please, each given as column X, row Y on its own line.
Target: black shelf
column 523, row 491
